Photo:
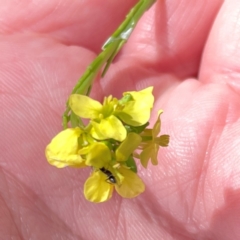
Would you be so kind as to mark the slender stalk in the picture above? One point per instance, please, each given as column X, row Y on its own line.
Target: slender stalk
column 110, row 49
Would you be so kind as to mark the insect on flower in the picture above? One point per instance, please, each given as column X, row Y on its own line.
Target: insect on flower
column 111, row 179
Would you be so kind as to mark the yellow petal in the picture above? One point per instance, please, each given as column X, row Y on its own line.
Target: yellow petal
column 146, row 154
column 131, row 186
column 110, row 127
column 84, row 150
column 154, row 157
column 135, row 113
column 127, row 147
column 157, row 125
column 96, row 189
column 162, row 141
column 84, row 106
column 144, row 96
column 99, row 155
column 63, row 149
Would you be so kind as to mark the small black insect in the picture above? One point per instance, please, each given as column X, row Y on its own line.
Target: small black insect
column 111, row 178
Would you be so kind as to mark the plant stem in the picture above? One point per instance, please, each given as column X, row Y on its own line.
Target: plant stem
column 110, row 49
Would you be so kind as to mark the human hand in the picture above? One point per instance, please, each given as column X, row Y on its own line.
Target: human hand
column 193, row 193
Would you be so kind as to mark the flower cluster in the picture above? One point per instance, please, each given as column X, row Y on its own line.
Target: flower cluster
column 115, row 136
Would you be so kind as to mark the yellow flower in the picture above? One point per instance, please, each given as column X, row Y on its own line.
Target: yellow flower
column 136, row 111
column 106, row 119
column 152, row 143
column 127, row 147
column 104, row 124
column 131, row 186
column 110, row 127
column 98, row 188
column 110, row 172
column 98, row 155
column 63, row 150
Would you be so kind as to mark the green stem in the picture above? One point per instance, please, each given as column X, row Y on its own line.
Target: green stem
column 110, row 49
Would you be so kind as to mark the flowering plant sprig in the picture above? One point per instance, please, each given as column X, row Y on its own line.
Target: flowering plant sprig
column 102, row 62
column 116, row 133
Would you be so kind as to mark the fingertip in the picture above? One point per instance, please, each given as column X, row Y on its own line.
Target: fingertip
column 220, row 63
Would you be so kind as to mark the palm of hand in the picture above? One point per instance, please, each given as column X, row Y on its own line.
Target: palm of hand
column 193, row 191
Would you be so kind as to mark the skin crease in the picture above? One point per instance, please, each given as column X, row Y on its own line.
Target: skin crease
column 189, row 52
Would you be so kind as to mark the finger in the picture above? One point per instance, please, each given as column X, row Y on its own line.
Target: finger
column 220, row 62
column 85, row 23
column 170, row 37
